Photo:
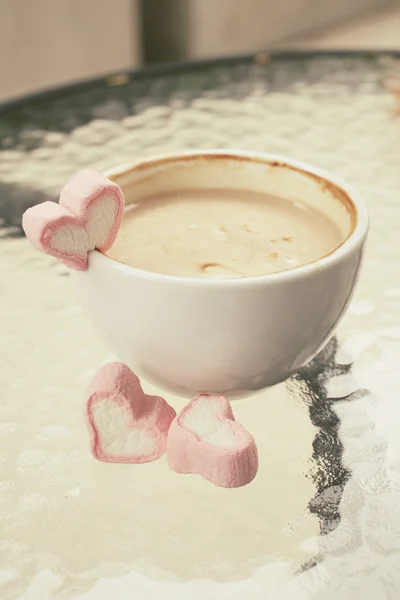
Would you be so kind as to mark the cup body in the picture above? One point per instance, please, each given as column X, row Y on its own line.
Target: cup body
column 231, row 336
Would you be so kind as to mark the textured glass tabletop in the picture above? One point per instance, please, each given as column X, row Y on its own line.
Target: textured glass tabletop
column 322, row 519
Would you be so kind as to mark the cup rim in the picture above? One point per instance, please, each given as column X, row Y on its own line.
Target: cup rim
column 352, row 243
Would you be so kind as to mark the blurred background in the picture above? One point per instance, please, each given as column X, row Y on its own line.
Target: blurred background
column 45, row 43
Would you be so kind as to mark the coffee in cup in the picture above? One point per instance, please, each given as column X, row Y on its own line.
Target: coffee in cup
column 223, row 233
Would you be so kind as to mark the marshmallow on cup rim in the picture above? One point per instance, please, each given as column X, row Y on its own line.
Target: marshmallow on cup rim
column 88, row 216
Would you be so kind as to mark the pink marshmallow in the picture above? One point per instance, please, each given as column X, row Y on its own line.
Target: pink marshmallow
column 205, row 439
column 125, row 424
column 89, row 216
column 55, row 231
column 99, row 202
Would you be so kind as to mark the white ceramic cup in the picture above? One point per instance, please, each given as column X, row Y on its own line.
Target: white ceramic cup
column 232, row 336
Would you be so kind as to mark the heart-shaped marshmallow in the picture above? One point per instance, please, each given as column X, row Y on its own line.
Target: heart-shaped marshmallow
column 125, row 424
column 205, row 439
column 55, row 231
column 99, row 202
column 89, row 216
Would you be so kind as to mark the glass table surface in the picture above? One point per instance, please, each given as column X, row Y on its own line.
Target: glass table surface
column 322, row 519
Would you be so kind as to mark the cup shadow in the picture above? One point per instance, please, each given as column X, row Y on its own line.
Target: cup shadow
column 329, row 474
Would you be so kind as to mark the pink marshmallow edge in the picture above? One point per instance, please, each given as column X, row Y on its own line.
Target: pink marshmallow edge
column 116, row 382
column 86, row 189
column 41, row 222
column 228, row 467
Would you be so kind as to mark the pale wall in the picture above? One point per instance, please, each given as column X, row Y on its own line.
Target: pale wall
column 234, row 26
column 50, row 42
